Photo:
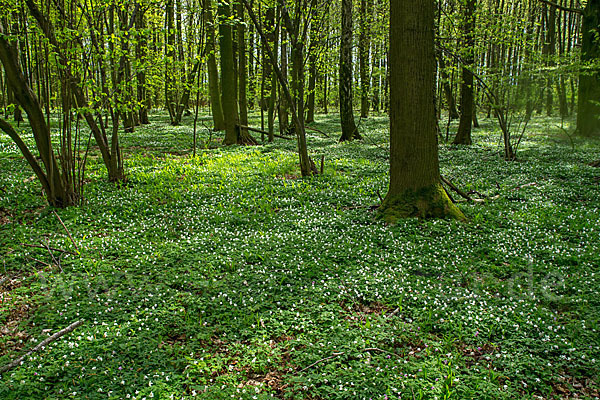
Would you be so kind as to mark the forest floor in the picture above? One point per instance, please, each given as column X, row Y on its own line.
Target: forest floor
column 225, row 275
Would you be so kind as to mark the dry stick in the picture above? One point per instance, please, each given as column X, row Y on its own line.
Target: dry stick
column 334, row 355
column 68, row 233
column 263, row 132
column 318, row 130
column 37, row 246
column 396, row 311
column 457, row 190
column 45, row 342
column 41, row 262
column 57, row 262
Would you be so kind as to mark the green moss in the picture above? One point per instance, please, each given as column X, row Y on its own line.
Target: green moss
column 427, row 203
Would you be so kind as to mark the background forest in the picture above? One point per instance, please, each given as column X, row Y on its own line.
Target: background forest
column 193, row 200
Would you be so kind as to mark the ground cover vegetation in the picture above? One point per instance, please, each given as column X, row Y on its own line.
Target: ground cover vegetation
column 306, row 199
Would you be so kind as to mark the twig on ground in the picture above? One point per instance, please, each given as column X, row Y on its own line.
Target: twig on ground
column 42, row 344
column 68, row 233
column 319, row 131
column 264, row 132
column 460, row 192
column 37, row 246
column 396, row 311
column 39, row 261
column 56, row 262
column 334, row 355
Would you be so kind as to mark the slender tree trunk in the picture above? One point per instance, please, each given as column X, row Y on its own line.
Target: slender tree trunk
column 366, row 9
column 213, row 72
column 463, row 135
column 349, row 129
column 58, row 192
column 228, row 86
column 170, row 59
column 447, row 88
column 242, row 66
column 141, row 54
column 415, row 188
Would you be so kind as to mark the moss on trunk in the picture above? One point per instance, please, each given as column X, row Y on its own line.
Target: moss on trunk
column 426, row 203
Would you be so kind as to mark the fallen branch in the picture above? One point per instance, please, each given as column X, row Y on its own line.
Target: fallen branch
column 460, row 192
column 396, row 311
column 68, row 233
column 264, row 132
column 334, row 355
column 319, row 131
column 37, row 246
column 39, row 261
column 44, row 343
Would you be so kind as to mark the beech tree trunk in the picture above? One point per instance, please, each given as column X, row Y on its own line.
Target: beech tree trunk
column 366, row 9
column 588, row 114
column 228, row 85
column 213, row 72
column 349, row 129
column 463, row 135
column 415, row 188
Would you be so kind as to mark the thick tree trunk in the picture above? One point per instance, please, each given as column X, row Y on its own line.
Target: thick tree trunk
column 349, row 129
column 463, row 135
column 588, row 114
column 415, row 188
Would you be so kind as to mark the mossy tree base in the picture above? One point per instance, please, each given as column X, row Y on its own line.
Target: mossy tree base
column 427, row 203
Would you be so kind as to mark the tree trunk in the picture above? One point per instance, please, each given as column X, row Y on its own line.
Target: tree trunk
column 213, row 72
column 366, row 8
column 349, row 129
column 588, row 120
column 415, row 187
column 58, row 192
column 141, row 54
column 242, row 66
column 170, row 60
column 447, row 88
column 463, row 135
column 228, row 86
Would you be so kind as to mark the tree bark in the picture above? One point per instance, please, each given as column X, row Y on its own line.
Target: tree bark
column 213, row 72
column 415, row 187
column 588, row 114
column 349, row 129
column 463, row 135
column 366, row 9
